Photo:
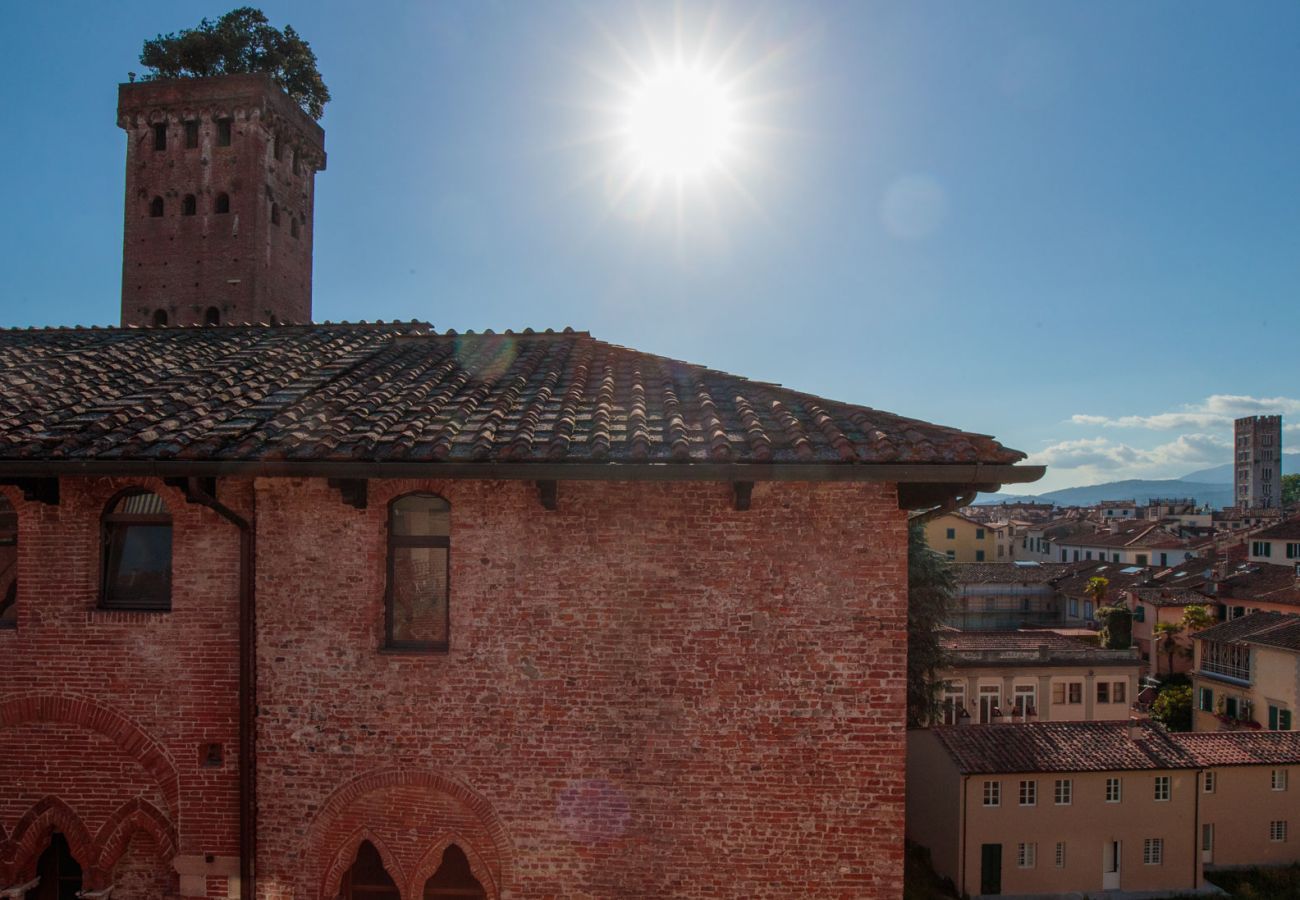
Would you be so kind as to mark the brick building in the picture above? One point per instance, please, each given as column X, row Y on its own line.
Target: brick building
column 318, row 611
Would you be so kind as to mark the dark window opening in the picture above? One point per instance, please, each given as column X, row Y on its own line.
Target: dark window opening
column 137, row 553
column 160, row 317
column 211, row 756
column 59, row 872
column 275, row 214
column 293, row 227
column 156, row 207
column 274, row 320
column 8, row 565
column 191, row 134
column 278, row 148
column 223, row 132
column 454, row 878
column 212, row 316
column 222, row 204
column 189, row 205
column 368, row 879
column 293, row 158
column 419, row 549
column 160, row 136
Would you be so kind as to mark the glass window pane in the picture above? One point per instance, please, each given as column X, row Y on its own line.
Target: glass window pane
column 422, row 516
column 419, row 594
column 139, row 565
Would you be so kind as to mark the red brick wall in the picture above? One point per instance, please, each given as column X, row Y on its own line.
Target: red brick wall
column 648, row 693
column 102, row 713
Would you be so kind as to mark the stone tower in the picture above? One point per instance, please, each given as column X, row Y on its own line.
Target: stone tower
column 1258, row 461
column 220, row 177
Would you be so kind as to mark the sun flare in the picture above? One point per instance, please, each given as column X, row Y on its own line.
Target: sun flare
column 680, row 122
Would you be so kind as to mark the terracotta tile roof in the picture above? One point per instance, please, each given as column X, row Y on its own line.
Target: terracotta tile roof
column 1269, row 629
column 1008, row 572
column 1013, row 640
column 1170, row 597
column 975, row 649
column 1261, row 581
column 402, row 392
column 1285, row 531
column 1061, row 747
column 1242, row 748
column 1120, row 576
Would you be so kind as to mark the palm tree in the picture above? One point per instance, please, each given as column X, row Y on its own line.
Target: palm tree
column 1165, row 635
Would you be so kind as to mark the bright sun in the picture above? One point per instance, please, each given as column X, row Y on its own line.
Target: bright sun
column 680, row 122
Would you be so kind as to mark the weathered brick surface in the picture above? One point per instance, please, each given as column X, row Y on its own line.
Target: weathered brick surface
column 647, row 693
column 250, row 267
column 102, row 713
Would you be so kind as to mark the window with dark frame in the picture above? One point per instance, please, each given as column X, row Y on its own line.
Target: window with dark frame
column 223, row 132
column 160, row 136
column 419, row 555
column 189, row 205
column 137, row 553
column 156, row 207
column 8, row 565
column 367, row 879
column 191, row 134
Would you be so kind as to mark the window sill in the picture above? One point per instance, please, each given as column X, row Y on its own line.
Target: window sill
column 432, row 650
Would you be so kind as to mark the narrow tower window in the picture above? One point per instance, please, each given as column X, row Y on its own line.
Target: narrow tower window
column 160, row 136
column 223, row 132
column 293, row 158
column 222, row 204
column 189, row 206
column 293, row 226
column 156, row 207
column 160, row 317
column 191, row 134
column 278, row 148
column 275, row 214
column 212, row 316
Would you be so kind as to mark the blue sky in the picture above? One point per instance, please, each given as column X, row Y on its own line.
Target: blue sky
column 1074, row 226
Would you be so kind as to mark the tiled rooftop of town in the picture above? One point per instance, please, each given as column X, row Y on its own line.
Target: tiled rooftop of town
column 1270, row 629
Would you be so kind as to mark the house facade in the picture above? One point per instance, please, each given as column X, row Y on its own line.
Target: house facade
column 1085, row 807
column 1247, row 673
column 966, row 540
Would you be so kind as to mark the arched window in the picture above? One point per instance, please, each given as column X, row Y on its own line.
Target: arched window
column 368, row 879
column 59, row 872
column 212, row 316
column 419, row 550
column 137, row 553
column 189, row 205
column 160, row 136
column 156, row 207
column 160, row 317
column 275, row 214
column 221, row 205
column 293, row 226
column 8, row 565
column 454, row 879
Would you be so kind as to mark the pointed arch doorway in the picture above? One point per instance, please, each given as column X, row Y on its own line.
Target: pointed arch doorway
column 453, row 879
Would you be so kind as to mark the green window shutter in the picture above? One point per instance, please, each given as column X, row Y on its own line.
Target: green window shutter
column 1272, row 718
column 1284, row 720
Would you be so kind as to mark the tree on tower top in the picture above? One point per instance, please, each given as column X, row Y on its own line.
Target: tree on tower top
column 239, row 42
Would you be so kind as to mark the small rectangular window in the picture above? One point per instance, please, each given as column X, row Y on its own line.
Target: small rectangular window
column 1076, row 692
column 992, row 793
column 1205, row 700
column 979, row 556
column 1153, row 851
column 1208, row 786
column 1028, row 793
column 1103, row 692
column 979, row 534
column 1162, row 787
column 1277, row 830
column 191, row 134
column 1025, row 854
column 1060, row 854
column 1118, row 692
column 1064, row 791
column 952, row 534
column 1207, row 837
column 160, row 136
column 1279, row 779
column 1114, row 790
column 223, row 132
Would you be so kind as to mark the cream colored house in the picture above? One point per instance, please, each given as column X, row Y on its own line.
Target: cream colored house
column 1279, row 545
column 1044, row 808
column 1004, row 676
column 966, row 540
column 1248, row 671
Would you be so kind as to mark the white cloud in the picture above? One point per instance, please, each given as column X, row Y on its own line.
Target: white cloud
column 1215, row 411
column 1120, row 460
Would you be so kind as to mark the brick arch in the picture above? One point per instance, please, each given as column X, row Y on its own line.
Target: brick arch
column 91, row 714
column 433, row 859
column 347, row 854
column 114, row 835
column 379, row 779
column 33, row 831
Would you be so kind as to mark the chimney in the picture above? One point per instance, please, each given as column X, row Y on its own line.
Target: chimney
column 1135, row 729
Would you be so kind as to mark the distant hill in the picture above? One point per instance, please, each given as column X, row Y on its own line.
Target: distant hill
column 1215, row 495
column 1213, row 475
